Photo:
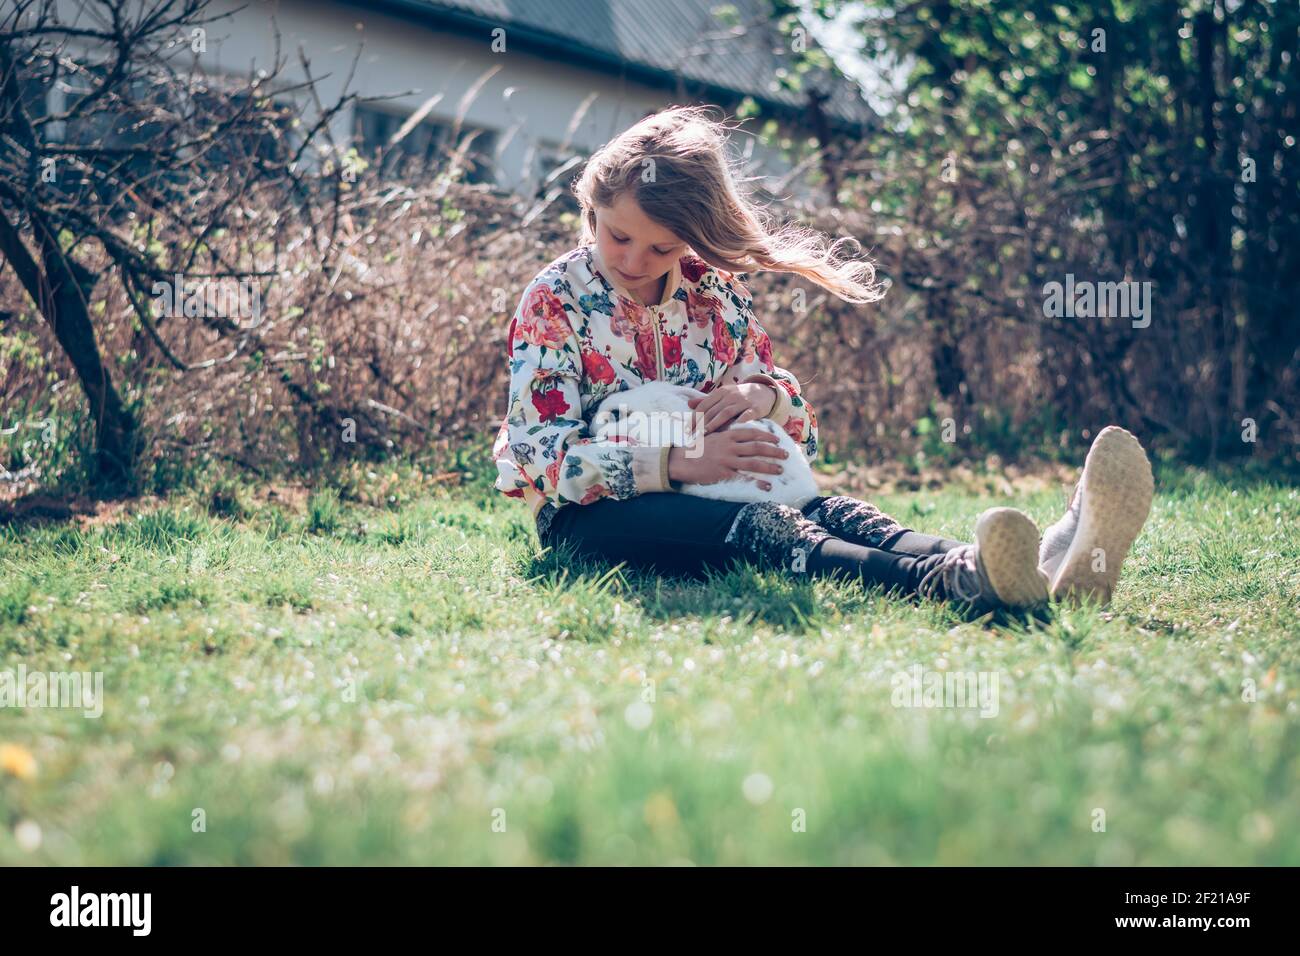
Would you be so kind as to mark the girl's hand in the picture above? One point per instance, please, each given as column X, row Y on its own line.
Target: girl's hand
column 729, row 454
column 733, row 403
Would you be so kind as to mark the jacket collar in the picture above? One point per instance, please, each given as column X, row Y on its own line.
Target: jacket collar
column 611, row 277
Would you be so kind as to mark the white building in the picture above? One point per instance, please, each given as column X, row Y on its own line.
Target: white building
column 533, row 83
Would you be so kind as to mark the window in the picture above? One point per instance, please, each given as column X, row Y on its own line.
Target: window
column 33, row 93
column 554, row 169
column 425, row 150
column 265, row 130
column 118, row 121
column 555, row 166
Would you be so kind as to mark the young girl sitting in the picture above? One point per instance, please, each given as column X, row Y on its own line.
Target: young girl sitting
column 652, row 295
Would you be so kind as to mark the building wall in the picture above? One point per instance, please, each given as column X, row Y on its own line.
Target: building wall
column 548, row 100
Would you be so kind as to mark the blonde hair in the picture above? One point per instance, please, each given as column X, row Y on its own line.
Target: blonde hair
column 675, row 164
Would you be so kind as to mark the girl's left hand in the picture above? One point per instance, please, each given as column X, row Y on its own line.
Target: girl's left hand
column 733, row 403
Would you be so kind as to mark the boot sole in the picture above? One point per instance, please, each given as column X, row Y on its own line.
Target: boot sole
column 1117, row 491
column 1008, row 549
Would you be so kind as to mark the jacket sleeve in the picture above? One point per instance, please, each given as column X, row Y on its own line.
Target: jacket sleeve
column 791, row 411
column 547, row 423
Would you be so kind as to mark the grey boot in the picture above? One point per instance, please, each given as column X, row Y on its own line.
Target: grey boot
column 999, row 570
column 1057, row 537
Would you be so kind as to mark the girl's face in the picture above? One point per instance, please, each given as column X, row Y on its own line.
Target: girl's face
column 641, row 250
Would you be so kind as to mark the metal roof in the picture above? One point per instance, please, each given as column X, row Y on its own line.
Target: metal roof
column 656, row 41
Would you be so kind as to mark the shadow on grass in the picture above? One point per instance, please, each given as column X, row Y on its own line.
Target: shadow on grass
column 746, row 593
column 44, row 508
column 739, row 590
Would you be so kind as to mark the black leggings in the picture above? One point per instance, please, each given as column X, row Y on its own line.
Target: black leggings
column 835, row 536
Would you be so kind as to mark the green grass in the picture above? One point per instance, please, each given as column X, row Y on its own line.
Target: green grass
column 416, row 684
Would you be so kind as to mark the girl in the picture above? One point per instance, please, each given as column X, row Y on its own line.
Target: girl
column 652, row 294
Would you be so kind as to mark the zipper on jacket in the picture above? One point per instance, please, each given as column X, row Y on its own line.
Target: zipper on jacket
column 659, row 345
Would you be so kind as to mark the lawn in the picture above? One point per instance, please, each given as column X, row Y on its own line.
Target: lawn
column 326, row 682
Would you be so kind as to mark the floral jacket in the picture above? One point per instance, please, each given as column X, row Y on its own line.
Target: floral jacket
column 578, row 336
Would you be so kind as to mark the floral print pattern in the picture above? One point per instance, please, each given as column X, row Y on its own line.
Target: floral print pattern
column 574, row 340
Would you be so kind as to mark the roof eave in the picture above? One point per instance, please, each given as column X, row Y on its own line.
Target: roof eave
column 543, row 42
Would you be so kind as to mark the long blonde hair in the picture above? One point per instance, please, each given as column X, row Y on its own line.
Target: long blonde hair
column 675, row 164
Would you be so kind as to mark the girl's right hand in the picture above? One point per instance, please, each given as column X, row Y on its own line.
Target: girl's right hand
column 725, row 455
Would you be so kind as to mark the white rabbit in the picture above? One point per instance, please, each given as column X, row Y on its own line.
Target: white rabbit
column 657, row 413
